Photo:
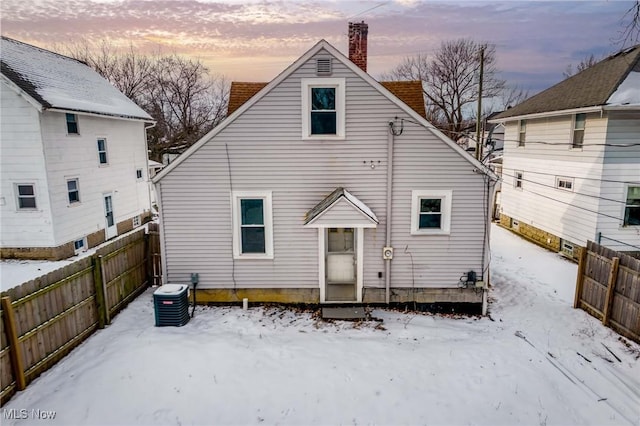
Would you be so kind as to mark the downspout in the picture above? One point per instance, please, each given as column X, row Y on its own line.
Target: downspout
column 387, row 264
column 146, row 162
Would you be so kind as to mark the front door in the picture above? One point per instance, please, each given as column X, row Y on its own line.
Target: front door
column 111, row 230
column 341, row 265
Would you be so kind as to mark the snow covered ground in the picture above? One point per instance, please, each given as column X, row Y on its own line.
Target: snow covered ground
column 526, row 364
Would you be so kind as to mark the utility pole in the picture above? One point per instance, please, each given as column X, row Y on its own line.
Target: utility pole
column 479, row 118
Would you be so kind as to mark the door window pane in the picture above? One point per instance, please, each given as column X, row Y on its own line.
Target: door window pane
column 340, row 240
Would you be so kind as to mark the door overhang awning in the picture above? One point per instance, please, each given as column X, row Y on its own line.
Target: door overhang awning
column 341, row 209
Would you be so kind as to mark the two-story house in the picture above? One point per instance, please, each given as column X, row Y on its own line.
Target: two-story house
column 324, row 186
column 73, row 160
column 571, row 165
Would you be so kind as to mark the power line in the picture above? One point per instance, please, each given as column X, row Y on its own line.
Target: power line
column 574, row 177
column 572, row 192
column 569, row 204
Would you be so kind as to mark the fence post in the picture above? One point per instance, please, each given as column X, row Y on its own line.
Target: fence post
column 101, row 303
column 611, row 290
column 15, row 350
column 582, row 264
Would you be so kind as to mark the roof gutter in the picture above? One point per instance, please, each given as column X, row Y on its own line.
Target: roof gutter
column 96, row 114
column 598, row 108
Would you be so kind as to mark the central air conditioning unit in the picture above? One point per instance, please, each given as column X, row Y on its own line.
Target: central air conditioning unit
column 171, row 304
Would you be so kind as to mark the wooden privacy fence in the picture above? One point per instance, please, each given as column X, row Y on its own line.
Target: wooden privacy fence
column 45, row 318
column 608, row 287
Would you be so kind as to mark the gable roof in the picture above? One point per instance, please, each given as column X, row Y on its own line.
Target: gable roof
column 324, row 45
column 324, row 207
column 53, row 81
column 591, row 87
column 410, row 92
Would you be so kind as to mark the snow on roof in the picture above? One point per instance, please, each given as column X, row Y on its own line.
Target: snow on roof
column 60, row 82
column 628, row 93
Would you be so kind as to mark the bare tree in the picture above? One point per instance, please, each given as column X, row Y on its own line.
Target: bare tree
column 184, row 99
column 450, row 79
column 630, row 23
column 188, row 101
column 586, row 62
column 511, row 96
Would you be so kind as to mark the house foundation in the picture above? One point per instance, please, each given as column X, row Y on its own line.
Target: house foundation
column 542, row 238
column 67, row 250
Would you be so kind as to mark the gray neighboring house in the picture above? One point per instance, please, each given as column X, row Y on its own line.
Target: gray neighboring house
column 325, row 187
column 571, row 163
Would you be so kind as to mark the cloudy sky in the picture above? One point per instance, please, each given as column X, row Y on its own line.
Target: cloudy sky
column 255, row 40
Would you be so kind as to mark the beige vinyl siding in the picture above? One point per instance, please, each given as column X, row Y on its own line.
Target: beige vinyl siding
column 423, row 162
column 265, row 152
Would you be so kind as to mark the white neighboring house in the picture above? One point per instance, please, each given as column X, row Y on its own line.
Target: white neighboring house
column 74, row 157
column 571, row 166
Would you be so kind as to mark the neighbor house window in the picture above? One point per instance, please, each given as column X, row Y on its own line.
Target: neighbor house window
column 578, row 130
column 518, row 178
column 323, row 108
column 73, row 190
column 26, row 195
column 632, row 207
column 139, row 174
column 522, row 132
column 135, row 221
column 431, row 212
column 72, row 124
column 80, row 245
column 102, row 151
column 564, row 183
column 252, row 225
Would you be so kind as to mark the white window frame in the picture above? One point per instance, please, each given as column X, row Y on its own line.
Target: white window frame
column 625, row 205
column 141, row 173
column 522, row 133
column 77, row 181
column 82, row 248
column 267, row 210
column 574, row 129
column 445, row 224
column 339, row 85
column 518, row 181
column 18, row 197
column 561, row 183
column 75, row 121
column 106, row 152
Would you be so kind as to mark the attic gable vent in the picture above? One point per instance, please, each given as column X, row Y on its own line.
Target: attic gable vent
column 323, row 66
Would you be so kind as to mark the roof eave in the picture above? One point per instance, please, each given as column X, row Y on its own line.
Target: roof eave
column 101, row 114
column 596, row 108
column 21, row 92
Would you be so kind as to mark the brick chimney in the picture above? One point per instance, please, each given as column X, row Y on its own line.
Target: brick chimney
column 358, row 44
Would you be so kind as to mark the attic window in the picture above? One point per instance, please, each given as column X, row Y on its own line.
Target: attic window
column 323, row 66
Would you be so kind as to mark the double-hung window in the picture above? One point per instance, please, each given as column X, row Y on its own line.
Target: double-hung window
column 26, row 195
column 73, row 190
column 522, row 132
column 518, row 178
column 102, row 151
column 72, row 124
column 252, row 225
column 323, row 108
column 431, row 212
column 578, row 130
column 632, row 207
